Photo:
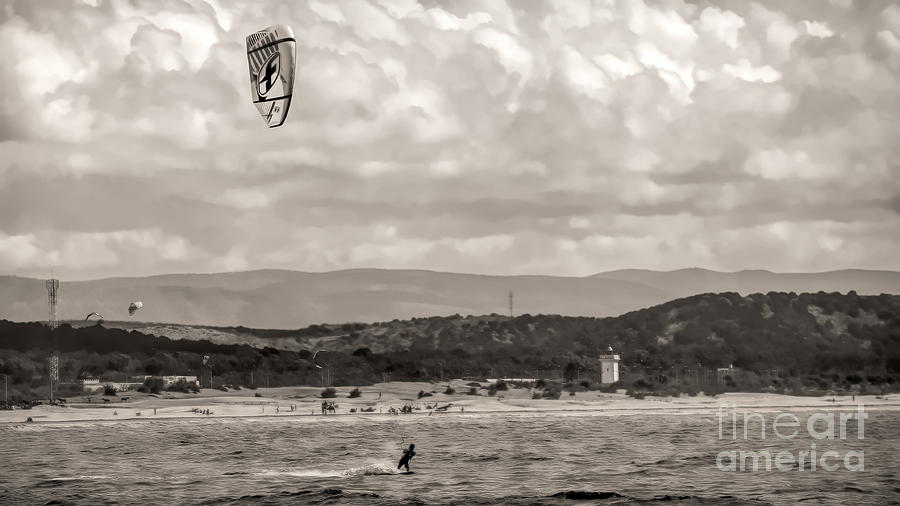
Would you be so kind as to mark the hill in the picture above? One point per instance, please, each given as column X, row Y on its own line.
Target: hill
column 291, row 299
column 827, row 339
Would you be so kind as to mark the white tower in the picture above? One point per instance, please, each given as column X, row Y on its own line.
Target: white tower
column 609, row 367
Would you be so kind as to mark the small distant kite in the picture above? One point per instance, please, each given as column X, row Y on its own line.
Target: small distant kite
column 316, row 359
column 271, row 55
column 134, row 306
column 98, row 315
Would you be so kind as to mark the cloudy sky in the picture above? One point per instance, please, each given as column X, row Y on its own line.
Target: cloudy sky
column 472, row 136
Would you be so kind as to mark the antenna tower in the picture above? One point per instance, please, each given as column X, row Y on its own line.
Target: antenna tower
column 52, row 288
column 53, row 323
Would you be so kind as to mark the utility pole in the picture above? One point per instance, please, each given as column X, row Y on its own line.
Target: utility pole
column 54, row 373
column 511, row 315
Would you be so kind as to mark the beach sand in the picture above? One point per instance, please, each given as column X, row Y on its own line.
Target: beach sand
column 277, row 402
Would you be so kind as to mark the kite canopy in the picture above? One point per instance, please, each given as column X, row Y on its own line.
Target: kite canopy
column 316, row 359
column 98, row 315
column 134, row 306
column 271, row 55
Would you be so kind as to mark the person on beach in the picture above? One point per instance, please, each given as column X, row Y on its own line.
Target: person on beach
column 407, row 455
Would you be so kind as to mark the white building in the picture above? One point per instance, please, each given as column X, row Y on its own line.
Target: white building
column 724, row 372
column 171, row 380
column 609, row 367
column 91, row 385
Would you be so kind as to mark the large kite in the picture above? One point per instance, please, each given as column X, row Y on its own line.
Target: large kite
column 271, row 54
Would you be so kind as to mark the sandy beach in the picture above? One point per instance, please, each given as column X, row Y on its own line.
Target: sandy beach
column 304, row 402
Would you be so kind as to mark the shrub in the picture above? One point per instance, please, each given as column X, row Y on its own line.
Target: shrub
column 355, row 393
column 257, row 394
column 611, row 388
column 154, row 385
column 328, row 393
column 473, row 384
column 643, row 383
column 473, row 391
column 449, row 390
column 586, row 384
column 636, row 394
column 183, row 386
column 540, row 383
column 109, row 390
column 423, row 393
column 501, row 385
column 551, row 392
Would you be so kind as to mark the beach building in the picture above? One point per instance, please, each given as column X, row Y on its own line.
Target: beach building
column 724, row 372
column 170, row 380
column 609, row 367
column 90, row 385
column 123, row 386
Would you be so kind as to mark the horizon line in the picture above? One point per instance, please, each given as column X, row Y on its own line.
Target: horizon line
column 433, row 271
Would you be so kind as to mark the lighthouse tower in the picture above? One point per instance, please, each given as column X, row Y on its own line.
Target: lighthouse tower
column 609, row 367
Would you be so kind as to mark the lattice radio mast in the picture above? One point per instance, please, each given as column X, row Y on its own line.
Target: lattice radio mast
column 53, row 323
column 52, row 288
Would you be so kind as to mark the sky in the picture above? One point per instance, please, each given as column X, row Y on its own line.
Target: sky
column 556, row 137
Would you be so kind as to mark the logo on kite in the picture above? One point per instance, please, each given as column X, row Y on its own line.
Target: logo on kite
column 134, row 306
column 268, row 74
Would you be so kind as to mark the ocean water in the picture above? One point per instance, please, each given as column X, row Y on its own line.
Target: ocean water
column 461, row 459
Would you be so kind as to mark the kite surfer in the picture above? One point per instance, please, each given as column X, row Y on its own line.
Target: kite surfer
column 407, row 455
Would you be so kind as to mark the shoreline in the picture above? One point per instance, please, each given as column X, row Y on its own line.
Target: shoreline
column 301, row 403
column 375, row 416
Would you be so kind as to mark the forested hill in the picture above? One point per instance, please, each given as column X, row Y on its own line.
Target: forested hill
column 775, row 330
column 822, row 333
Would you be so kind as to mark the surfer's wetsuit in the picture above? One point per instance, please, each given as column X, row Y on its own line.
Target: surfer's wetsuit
column 407, row 454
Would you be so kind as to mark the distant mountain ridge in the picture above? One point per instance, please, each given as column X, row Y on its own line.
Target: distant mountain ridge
column 293, row 299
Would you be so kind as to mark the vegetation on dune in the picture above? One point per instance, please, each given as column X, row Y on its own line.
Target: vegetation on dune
column 784, row 342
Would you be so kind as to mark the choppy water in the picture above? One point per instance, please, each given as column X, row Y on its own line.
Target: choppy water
column 461, row 459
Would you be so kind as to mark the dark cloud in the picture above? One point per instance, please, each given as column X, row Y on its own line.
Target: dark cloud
column 485, row 136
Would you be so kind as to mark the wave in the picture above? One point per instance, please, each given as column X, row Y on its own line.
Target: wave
column 367, row 470
column 60, row 480
column 584, row 495
column 323, row 496
column 339, row 496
